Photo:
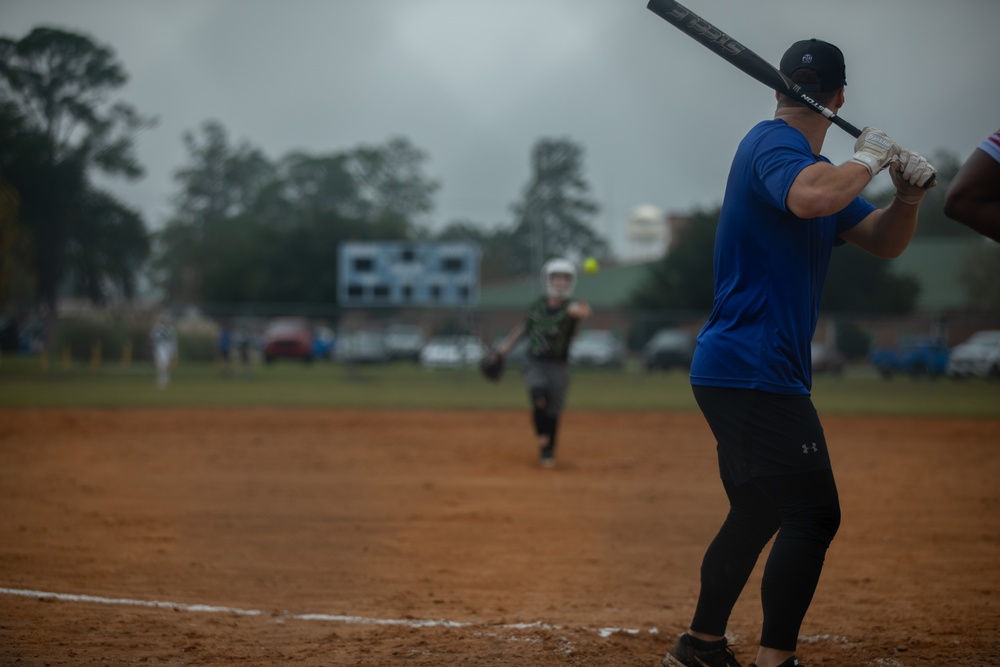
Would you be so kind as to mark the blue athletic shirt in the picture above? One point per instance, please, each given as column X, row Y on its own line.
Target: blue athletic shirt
column 770, row 267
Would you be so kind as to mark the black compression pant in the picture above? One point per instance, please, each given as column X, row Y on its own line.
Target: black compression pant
column 804, row 510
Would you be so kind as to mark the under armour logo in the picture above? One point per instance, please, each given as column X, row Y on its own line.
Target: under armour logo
column 809, row 447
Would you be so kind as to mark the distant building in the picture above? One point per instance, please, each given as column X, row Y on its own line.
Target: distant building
column 647, row 235
column 650, row 233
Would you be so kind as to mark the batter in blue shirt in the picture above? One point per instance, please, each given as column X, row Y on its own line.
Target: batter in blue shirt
column 786, row 207
column 770, row 266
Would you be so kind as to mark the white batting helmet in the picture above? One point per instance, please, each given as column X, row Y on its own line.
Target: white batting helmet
column 558, row 265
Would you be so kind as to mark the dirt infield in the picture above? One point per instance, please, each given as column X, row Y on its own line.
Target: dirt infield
column 379, row 538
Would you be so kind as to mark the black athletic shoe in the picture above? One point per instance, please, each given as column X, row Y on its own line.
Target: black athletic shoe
column 791, row 662
column 546, row 457
column 684, row 654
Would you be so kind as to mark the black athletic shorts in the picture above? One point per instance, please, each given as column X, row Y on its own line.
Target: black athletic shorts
column 761, row 434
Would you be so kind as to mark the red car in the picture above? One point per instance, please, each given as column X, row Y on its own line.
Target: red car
column 288, row 338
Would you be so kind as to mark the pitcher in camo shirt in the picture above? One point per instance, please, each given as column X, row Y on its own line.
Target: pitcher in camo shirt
column 549, row 327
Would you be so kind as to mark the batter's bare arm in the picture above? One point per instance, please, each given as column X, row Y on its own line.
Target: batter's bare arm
column 823, row 189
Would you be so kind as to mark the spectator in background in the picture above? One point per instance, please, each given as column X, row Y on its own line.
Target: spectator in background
column 164, row 343
column 226, row 347
column 242, row 341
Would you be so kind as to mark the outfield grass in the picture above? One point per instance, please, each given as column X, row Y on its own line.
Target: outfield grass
column 24, row 384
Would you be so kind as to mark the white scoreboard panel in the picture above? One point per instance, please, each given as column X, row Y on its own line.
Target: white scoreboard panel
column 399, row 273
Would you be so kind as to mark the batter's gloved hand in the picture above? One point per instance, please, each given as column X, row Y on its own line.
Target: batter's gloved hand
column 874, row 149
column 492, row 365
column 913, row 176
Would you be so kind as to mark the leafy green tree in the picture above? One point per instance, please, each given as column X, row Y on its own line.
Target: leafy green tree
column 14, row 246
column 221, row 182
column 554, row 216
column 249, row 230
column 313, row 185
column 267, row 263
column 861, row 283
column 682, row 280
column 58, row 126
column 390, row 183
column 552, row 219
column 498, row 247
column 980, row 275
column 119, row 256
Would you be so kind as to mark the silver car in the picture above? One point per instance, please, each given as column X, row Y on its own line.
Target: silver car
column 669, row 348
column 404, row 341
column 452, row 352
column 597, row 347
column 361, row 347
column 977, row 357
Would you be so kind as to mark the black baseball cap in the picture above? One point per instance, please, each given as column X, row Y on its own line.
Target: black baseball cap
column 822, row 57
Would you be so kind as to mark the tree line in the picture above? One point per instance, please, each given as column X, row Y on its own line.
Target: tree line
column 245, row 228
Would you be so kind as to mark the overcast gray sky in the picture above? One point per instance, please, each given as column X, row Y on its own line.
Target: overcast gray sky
column 476, row 83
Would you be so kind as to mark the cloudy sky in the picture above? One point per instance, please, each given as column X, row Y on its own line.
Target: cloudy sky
column 476, row 84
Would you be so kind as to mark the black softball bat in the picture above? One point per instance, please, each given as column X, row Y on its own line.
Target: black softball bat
column 743, row 58
column 740, row 56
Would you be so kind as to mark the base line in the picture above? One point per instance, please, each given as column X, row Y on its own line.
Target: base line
column 350, row 620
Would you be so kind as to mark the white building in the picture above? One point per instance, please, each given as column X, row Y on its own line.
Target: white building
column 647, row 234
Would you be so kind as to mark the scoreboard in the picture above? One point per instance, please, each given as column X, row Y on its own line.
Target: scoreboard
column 400, row 274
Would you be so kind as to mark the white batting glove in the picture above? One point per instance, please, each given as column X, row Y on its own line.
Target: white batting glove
column 874, row 149
column 911, row 177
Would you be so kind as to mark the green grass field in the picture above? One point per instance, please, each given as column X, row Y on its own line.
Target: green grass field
column 23, row 383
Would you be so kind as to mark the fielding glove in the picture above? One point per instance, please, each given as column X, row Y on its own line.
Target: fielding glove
column 913, row 176
column 492, row 366
column 874, row 149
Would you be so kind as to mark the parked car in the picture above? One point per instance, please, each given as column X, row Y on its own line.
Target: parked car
column 979, row 356
column 827, row 359
column 288, row 338
column 917, row 356
column 404, row 341
column 362, row 347
column 669, row 348
column 597, row 347
column 451, row 352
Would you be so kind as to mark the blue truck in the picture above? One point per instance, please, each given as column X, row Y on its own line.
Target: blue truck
column 917, row 356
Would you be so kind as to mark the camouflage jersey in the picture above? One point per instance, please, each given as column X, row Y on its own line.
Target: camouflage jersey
column 549, row 330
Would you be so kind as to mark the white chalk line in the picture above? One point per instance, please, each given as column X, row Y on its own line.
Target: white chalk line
column 332, row 618
column 351, row 620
